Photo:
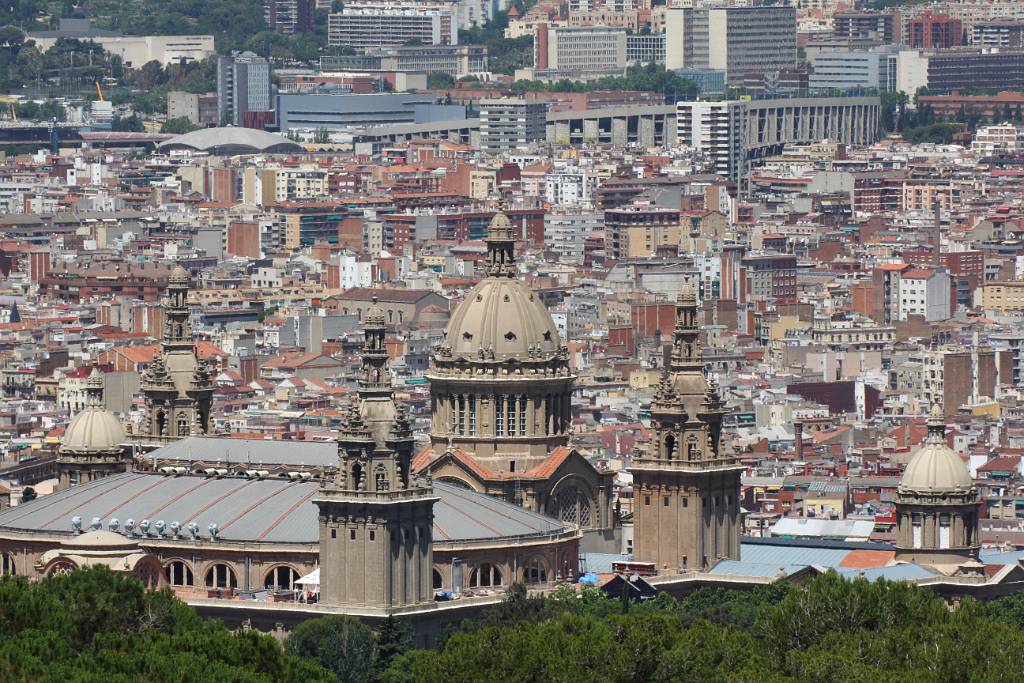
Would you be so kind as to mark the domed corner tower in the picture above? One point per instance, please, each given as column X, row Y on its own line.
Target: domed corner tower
column 93, row 445
column 937, row 504
column 177, row 386
column 686, row 487
column 500, row 390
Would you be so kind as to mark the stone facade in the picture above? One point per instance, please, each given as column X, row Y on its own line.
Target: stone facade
column 686, row 488
column 500, row 391
column 937, row 505
column 376, row 520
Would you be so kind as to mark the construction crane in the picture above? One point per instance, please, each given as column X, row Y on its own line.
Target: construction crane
column 99, row 91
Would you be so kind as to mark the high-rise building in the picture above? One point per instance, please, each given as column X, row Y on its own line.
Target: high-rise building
column 686, row 487
column 289, row 17
column 738, row 40
column 715, row 130
column 852, row 69
column 511, row 123
column 243, row 85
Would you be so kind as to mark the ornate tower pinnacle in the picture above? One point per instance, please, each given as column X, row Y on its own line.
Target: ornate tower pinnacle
column 374, row 380
column 177, row 324
column 501, row 259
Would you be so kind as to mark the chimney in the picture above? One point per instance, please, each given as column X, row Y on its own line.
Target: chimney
column 798, row 439
column 541, row 62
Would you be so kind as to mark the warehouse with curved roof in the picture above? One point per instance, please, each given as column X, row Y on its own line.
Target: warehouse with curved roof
column 229, row 140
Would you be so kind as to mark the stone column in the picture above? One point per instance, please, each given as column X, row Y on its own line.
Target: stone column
column 591, row 130
column 620, row 131
column 645, row 131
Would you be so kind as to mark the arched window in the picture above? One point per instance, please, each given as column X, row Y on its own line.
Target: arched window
column 535, row 572
column 281, row 578
column 179, row 574
column 572, row 507
column 391, row 316
column 7, row 564
column 438, row 581
column 221, row 576
column 161, row 422
column 484, row 576
column 670, row 446
column 357, row 474
column 60, row 569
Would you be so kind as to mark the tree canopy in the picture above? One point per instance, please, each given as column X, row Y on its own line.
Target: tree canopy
column 97, row 625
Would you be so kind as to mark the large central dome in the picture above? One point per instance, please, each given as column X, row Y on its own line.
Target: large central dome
column 500, row 381
column 500, row 319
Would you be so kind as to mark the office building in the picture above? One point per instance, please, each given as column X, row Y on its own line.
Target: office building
column 708, row 81
column 639, row 230
column 964, row 69
column 854, row 69
column 738, row 40
column 371, row 26
column 511, row 123
column 578, row 53
column 134, row 51
column 645, row 48
column 455, row 60
column 341, row 110
column 243, row 85
column 289, row 17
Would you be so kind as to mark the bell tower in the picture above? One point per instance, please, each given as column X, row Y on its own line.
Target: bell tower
column 686, row 487
column 375, row 520
column 177, row 386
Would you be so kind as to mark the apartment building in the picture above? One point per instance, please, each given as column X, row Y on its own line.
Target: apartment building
column 716, row 131
column 511, row 123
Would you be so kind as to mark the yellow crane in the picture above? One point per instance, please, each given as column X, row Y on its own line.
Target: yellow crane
column 99, row 91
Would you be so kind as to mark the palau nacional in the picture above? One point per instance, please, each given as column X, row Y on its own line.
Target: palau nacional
column 383, row 520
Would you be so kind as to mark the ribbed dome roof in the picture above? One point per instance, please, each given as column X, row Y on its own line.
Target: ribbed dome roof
column 502, row 318
column 502, row 315
column 936, row 468
column 93, row 430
